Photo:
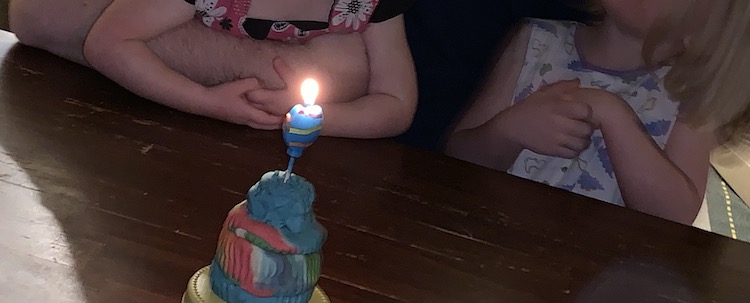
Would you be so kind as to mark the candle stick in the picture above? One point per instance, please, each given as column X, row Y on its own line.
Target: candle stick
column 302, row 125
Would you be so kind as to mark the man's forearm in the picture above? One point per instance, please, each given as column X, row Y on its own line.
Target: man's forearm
column 210, row 57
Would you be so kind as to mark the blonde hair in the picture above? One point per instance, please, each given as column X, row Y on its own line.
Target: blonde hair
column 710, row 77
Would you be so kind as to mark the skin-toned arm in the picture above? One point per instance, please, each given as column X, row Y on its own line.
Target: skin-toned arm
column 667, row 183
column 476, row 138
column 388, row 108
column 389, row 105
column 116, row 47
column 492, row 132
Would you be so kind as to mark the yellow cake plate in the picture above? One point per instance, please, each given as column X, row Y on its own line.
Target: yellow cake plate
column 199, row 290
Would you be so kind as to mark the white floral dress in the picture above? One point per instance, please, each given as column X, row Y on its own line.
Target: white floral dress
column 552, row 56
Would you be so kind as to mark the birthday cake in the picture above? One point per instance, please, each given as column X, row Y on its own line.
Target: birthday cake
column 269, row 245
column 269, row 248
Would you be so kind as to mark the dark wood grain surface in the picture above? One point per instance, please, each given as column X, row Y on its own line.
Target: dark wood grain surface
column 105, row 197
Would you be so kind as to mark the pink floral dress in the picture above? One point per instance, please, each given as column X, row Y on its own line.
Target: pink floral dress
column 346, row 16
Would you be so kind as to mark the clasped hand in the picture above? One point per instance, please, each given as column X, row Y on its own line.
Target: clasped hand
column 247, row 102
column 560, row 118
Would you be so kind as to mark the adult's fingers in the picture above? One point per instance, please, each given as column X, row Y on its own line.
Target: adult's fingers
column 245, row 84
column 260, row 117
column 286, row 73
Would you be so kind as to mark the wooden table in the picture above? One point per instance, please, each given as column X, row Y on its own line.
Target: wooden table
column 105, row 197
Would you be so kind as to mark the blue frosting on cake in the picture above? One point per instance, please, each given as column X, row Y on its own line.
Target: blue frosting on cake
column 287, row 277
column 287, row 206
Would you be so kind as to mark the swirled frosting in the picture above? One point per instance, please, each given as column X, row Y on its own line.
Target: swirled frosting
column 269, row 246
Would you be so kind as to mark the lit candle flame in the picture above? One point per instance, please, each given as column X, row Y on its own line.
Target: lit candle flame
column 309, row 91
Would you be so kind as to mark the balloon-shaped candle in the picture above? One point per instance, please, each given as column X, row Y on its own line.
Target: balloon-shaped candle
column 303, row 123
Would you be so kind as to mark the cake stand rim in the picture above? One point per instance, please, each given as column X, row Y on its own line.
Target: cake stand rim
column 319, row 296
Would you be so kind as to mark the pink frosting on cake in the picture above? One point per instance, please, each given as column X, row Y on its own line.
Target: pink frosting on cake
column 235, row 253
column 239, row 218
column 269, row 245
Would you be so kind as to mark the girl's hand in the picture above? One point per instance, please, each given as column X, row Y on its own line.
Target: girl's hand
column 549, row 121
column 277, row 102
column 228, row 102
column 605, row 105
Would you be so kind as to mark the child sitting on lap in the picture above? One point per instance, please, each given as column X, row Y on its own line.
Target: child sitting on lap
column 116, row 46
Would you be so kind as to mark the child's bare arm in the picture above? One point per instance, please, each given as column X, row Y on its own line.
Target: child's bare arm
column 492, row 132
column 116, row 46
column 667, row 183
column 388, row 108
column 475, row 138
